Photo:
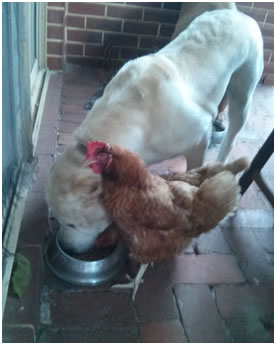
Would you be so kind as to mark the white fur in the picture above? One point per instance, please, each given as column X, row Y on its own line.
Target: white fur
column 164, row 104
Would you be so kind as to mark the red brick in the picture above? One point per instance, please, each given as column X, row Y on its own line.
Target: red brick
column 153, row 43
column 212, row 242
column 162, row 332
column 54, row 48
column 89, row 335
column 267, row 30
column 84, row 36
column 98, row 51
column 55, row 32
column 269, row 68
column 160, row 16
column 67, row 127
column 268, row 43
column 266, row 5
column 86, row 61
column 247, row 218
column 59, row 151
column 155, row 300
column 75, row 21
column 44, row 163
column 172, row 5
column 55, row 63
column 256, row 13
column 247, row 4
column 267, row 55
column 166, row 30
column 77, row 95
column 204, row 269
column 199, row 314
column 75, row 104
column 270, row 18
column 145, row 4
column 117, row 64
column 132, row 53
column 269, row 79
column 51, row 107
column 93, row 62
column 104, row 24
column 86, row 8
column 56, row 4
column 91, row 307
column 250, row 329
column 238, row 301
column 19, row 334
column 47, row 140
column 34, row 224
column 124, row 12
column 55, row 16
column 254, row 259
column 74, row 49
column 120, row 40
column 246, row 147
column 72, row 117
column 254, row 199
column 140, row 28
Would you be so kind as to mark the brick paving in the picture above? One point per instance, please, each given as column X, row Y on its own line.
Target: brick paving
column 219, row 289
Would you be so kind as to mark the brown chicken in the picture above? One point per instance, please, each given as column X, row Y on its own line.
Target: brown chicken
column 157, row 217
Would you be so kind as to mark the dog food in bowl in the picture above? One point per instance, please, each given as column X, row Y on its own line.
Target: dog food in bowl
column 93, row 268
column 93, row 255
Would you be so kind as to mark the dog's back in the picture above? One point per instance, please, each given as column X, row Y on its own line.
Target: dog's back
column 190, row 10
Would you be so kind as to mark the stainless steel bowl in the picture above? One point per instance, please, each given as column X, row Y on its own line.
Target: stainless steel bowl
column 218, row 133
column 82, row 272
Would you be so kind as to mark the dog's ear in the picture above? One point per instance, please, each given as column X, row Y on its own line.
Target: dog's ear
column 86, row 183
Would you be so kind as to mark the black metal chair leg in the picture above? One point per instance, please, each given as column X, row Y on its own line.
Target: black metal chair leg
column 253, row 173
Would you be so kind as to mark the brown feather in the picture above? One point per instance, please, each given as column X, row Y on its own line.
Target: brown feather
column 158, row 217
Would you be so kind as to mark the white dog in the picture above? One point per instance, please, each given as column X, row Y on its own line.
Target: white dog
column 161, row 105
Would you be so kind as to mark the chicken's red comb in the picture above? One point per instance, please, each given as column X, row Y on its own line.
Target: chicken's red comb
column 95, row 146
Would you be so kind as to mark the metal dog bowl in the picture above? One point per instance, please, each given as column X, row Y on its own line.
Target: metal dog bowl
column 218, row 133
column 81, row 272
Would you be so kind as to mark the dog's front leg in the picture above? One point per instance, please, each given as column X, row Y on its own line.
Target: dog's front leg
column 195, row 155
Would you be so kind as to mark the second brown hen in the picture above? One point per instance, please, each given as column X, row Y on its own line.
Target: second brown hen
column 158, row 216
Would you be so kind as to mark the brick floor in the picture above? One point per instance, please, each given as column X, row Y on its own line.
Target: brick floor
column 162, row 332
column 220, row 289
column 22, row 333
column 89, row 335
column 211, row 242
column 99, row 308
column 34, row 224
column 199, row 314
column 248, row 311
column 254, row 259
column 204, row 269
column 155, row 300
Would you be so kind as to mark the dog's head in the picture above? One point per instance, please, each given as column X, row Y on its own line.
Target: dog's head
column 74, row 195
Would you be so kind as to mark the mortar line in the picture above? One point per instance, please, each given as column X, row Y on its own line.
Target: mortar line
column 179, row 315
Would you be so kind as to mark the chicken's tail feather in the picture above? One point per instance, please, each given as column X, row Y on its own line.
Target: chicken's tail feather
column 215, row 199
column 237, row 166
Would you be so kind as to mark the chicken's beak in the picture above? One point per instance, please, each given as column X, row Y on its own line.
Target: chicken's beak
column 88, row 162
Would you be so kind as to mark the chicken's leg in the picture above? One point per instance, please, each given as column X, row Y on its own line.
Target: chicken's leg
column 134, row 283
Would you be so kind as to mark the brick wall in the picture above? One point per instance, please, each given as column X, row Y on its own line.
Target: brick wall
column 100, row 33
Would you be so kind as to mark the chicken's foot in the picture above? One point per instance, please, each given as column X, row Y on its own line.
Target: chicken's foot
column 134, row 282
